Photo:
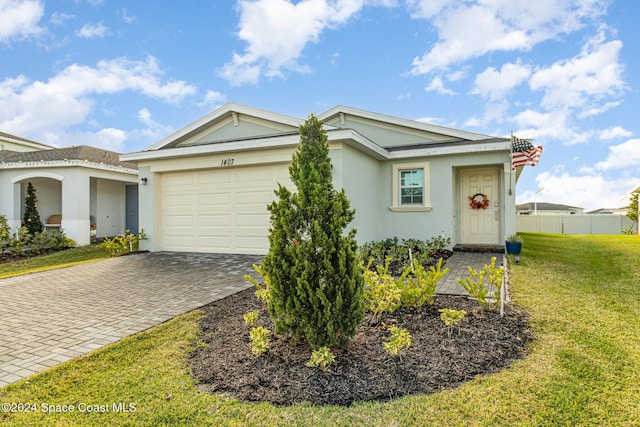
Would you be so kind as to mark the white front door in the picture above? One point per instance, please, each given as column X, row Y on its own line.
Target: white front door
column 480, row 222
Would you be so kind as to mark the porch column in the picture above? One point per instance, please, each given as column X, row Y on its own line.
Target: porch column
column 148, row 194
column 75, row 207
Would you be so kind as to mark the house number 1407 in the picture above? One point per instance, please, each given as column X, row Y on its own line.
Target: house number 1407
column 226, row 162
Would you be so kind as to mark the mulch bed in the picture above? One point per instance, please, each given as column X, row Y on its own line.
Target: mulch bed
column 363, row 371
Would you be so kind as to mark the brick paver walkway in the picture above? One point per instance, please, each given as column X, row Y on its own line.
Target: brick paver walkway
column 458, row 264
column 50, row 317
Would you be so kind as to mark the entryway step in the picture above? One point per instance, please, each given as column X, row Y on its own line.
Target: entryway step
column 499, row 249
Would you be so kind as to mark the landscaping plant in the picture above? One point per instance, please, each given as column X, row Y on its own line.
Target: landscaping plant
column 451, row 317
column 316, row 286
column 479, row 288
column 251, row 318
column 262, row 288
column 382, row 293
column 321, row 358
column 31, row 216
column 5, row 233
column 399, row 341
column 418, row 286
column 259, row 340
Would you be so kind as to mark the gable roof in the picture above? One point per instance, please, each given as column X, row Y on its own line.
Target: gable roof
column 228, row 112
column 70, row 156
column 448, row 133
column 235, row 127
column 23, row 141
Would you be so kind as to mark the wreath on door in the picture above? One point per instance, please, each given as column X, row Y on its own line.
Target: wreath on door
column 476, row 203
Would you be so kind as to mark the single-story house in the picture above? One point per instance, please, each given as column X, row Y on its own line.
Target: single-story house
column 85, row 191
column 544, row 208
column 206, row 187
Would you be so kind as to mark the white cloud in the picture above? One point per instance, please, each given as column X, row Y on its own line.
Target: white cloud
column 124, row 14
column 584, row 80
column 470, row 29
column 625, row 155
column 614, row 132
column 19, row 19
column 494, row 84
column 437, row 85
column 589, row 191
column 276, row 33
column 154, row 130
column 59, row 18
column 40, row 109
column 92, row 31
column 212, row 97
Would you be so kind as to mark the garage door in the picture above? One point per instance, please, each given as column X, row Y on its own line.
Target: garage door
column 220, row 210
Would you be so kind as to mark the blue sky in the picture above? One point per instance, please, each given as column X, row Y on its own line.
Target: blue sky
column 122, row 75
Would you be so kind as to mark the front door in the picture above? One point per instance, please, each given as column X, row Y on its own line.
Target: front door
column 131, row 221
column 480, row 206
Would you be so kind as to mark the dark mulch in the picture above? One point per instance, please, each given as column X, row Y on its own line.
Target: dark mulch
column 362, row 371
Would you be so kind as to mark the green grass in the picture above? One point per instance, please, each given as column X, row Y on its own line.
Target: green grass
column 583, row 295
column 52, row 261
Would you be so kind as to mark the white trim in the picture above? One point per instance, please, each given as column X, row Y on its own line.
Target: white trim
column 66, row 164
column 37, row 175
column 228, row 108
column 426, row 187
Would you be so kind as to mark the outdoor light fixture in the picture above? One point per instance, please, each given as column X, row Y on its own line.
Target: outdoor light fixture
column 143, row 181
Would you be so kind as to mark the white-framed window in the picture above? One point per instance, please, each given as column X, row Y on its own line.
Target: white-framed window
column 411, row 187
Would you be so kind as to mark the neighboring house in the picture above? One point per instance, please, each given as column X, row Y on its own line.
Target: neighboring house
column 83, row 190
column 542, row 208
column 608, row 211
column 18, row 144
column 206, row 187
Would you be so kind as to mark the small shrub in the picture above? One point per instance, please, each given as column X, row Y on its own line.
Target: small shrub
column 5, row 233
column 382, row 294
column 19, row 240
column 251, row 317
column 451, row 317
column 423, row 251
column 262, row 289
column 399, row 341
column 476, row 286
column 418, row 286
column 122, row 245
column 259, row 340
column 321, row 358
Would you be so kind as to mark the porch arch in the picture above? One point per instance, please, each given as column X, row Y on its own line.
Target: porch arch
column 35, row 174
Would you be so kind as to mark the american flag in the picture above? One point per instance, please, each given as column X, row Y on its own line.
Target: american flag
column 524, row 153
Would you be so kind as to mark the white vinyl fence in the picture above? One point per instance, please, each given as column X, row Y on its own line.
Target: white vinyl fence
column 573, row 224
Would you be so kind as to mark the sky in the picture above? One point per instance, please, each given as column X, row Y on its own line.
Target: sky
column 122, row 75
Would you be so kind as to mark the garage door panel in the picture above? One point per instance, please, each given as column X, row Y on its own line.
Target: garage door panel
column 214, row 199
column 178, row 220
column 221, row 176
column 227, row 208
column 219, row 220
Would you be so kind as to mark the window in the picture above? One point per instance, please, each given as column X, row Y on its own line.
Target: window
column 411, row 187
column 410, row 191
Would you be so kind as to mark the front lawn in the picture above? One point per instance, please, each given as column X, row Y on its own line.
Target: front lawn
column 59, row 259
column 583, row 296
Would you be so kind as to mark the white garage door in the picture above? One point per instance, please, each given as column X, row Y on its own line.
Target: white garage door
column 220, row 210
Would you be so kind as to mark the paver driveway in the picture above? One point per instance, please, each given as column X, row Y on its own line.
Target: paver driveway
column 49, row 317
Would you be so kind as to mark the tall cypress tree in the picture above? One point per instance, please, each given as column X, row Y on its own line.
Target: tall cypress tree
column 316, row 291
column 31, row 216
